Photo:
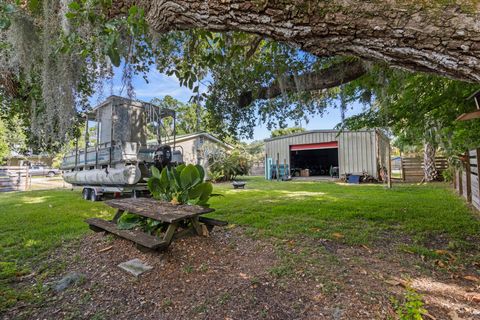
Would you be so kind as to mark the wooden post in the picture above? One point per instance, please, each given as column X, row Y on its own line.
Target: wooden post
column 468, row 176
column 76, row 153
column 26, row 179
column 278, row 164
column 168, row 236
column 460, row 183
column 389, row 179
column 477, row 155
column 455, row 179
column 401, row 167
column 267, row 169
column 117, row 216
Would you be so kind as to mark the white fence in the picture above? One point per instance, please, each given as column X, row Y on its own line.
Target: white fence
column 14, row 179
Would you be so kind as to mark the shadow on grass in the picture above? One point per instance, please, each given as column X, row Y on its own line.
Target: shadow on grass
column 31, row 224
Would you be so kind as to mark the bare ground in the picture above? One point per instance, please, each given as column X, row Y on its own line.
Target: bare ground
column 233, row 276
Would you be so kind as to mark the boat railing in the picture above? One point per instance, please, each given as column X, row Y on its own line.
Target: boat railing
column 103, row 154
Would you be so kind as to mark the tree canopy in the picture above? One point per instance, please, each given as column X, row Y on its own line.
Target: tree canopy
column 417, row 108
column 56, row 54
column 285, row 131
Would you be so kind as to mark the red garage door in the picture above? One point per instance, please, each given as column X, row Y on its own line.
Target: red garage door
column 314, row 146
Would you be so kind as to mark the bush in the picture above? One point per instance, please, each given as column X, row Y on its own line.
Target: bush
column 448, row 174
column 226, row 167
column 412, row 307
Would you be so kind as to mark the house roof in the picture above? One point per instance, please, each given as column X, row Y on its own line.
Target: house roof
column 186, row 137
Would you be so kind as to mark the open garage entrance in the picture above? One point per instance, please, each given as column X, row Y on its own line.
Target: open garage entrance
column 316, row 159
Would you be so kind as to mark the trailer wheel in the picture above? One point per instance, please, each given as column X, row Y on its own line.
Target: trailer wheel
column 94, row 196
column 86, row 193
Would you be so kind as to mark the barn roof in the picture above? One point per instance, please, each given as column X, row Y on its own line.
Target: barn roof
column 323, row 131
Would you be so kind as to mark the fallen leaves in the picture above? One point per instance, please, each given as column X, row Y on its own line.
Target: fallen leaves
column 473, row 296
column 338, row 235
column 397, row 282
column 472, row 278
column 367, row 248
column 446, row 253
column 453, row 315
column 244, row 276
column 105, row 249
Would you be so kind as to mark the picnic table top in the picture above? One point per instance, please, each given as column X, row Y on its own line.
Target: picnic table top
column 158, row 210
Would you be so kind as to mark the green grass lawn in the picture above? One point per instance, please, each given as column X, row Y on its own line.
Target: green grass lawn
column 361, row 213
column 33, row 223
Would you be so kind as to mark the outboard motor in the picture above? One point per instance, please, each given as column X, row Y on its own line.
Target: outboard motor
column 163, row 156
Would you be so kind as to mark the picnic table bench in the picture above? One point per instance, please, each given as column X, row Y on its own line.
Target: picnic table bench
column 172, row 217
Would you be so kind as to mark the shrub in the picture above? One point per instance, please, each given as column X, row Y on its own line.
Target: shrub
column 448, row 174
column 226, row 167
column 215, row 176
column 412, row 306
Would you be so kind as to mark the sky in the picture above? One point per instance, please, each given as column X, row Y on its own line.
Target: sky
column 160, row 85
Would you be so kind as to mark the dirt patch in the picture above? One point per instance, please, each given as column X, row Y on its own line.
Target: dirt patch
column 232, row 276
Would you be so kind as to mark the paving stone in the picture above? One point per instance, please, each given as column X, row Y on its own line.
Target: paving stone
column 135, row 267
column 68, row 280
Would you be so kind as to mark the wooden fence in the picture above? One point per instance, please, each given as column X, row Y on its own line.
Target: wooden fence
column 412, row 168
column 257, row 169
column 14, row 179
column 467, row 179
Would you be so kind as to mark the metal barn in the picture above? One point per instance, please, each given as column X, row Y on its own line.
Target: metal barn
column 327, row 153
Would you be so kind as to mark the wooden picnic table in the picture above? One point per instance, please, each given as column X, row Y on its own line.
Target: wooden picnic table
column 173, row 217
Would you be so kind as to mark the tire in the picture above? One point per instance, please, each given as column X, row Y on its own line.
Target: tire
column 51, row 174
column 93, row 196
column 86, row 193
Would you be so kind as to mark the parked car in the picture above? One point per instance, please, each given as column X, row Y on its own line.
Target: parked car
column 43, row 171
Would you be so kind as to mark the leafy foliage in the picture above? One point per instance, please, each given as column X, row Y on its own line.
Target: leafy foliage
column 190, row 117
column 227, row 166
column 57, row 53
column 4, row 149
column 256, row 150
column 416, row 108
column 180, row 185
column 61, row 52
column 12, row 137
column 131, row 221
column 286, row 131
column 412, row 308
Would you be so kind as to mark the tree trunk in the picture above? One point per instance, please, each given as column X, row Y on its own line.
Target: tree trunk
column 419, row 36
column 330, row 77
column 429, row 169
